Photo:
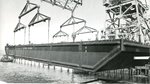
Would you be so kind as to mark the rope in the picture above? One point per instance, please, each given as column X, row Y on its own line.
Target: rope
column 24, row 35
column 14, row 38
column 73, row 27
column 73, row 33
column 48, row 29
column 29, row 35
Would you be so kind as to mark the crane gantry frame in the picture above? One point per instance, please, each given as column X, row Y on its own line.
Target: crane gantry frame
column 39, row 17
column 126, row 19
column 70, row 5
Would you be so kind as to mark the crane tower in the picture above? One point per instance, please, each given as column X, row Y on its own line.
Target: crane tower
column 126, row 20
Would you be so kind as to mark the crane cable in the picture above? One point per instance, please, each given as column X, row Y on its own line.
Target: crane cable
column 146, row 3
column 29, row 35
column 48, row 29
column 24, row 35
column 14, row 38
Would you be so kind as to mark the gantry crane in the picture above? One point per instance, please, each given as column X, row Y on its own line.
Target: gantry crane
column 39, row 17
column 71, row 5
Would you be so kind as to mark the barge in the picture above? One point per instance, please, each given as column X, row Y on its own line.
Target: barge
column 126, row 36
column 89, row 56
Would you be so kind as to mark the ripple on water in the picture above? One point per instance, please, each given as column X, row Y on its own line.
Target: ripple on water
column 19, row 73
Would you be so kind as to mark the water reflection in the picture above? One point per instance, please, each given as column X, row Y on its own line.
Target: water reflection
column 24, row 71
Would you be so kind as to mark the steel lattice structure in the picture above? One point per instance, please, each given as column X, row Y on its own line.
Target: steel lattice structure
column 60, row 34
column 71, row 5
column 126, row 19
column 85, row 29
column 19, row 27
column 39, row 17
column 65, row 4
column 28, row 8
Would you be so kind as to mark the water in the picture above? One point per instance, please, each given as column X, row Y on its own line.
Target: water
column 21, row 73
column 24, row 72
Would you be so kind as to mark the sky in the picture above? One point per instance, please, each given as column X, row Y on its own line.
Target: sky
column 92, row 11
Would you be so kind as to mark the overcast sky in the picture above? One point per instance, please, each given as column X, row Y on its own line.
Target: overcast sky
column 92, row 11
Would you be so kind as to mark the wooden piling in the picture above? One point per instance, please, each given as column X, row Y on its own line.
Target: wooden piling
column 34, row 63
column 18, row 61
column 24, row 62
column 13, row 60
column 21, row 61
column 39, row 64
column 68, row 70
column 31, row 63
column 48, row 66
column 61, row 69
column 54, row 67
column 43, row 65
